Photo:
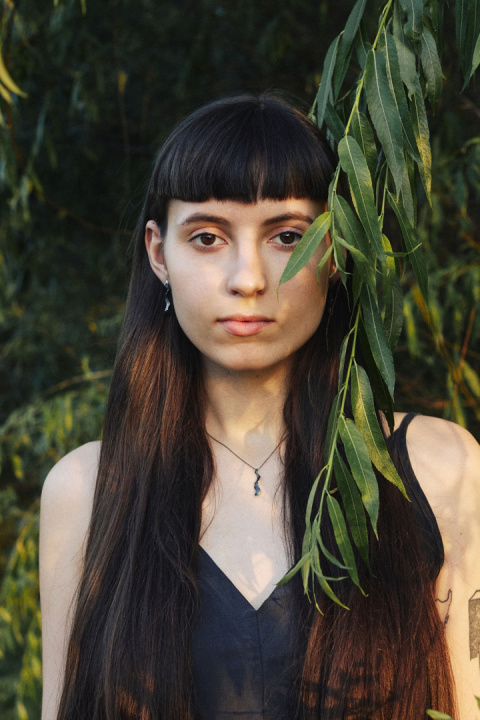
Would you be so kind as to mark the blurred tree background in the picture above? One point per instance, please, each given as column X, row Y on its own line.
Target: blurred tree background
column 88, row 92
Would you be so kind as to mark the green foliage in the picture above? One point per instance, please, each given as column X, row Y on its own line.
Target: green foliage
column 383, row 149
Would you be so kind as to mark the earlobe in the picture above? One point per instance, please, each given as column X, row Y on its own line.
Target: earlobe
column 154, row 246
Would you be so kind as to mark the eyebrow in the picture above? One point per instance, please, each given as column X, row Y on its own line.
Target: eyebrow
column 219, row 220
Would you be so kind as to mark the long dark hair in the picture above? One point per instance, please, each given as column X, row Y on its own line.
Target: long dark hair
column 129, row 651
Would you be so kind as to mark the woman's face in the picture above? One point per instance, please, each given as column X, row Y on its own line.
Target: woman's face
column 224, row 260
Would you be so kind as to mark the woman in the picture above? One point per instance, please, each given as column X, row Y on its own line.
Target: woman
column 176, row 532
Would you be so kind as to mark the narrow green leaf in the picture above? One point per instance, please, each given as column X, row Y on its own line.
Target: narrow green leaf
column 422, row 136
column 409, row 242
column 362, row 46
column 307, row 246
column 385, row 114
column 355, row 241
column 331, row 426
column 346, row 45
column 325, row 89
column 363, row 134
column 343, row 352
column 436, row 715
column 471, row 378
column 303, row 560
column 431, row 66
column 325, row 551
column 414, row 23
column 393, row 320
column 396, row 86
column 380, row 389
column 408, row 194
column 329, row 592
column 367, row 422
column 341, row 536
column 334, row 123
column 353, row 162
column 374, row 329
column 472, row 45
column 361, row 467
column 406, row 55
column 352, row 502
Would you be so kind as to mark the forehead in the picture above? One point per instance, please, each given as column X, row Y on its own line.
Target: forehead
column 231, row 212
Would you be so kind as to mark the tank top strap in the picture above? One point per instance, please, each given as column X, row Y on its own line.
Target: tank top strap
column 423, row 512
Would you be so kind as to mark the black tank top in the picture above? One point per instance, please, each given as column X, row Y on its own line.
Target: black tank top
column 242, row 657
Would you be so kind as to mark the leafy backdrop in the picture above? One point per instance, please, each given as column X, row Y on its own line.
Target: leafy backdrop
column 96, row 86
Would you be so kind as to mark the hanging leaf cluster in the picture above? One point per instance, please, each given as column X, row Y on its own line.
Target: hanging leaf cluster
column 380, row 129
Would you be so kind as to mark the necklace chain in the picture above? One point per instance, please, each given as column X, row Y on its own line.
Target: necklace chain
column 256, row 485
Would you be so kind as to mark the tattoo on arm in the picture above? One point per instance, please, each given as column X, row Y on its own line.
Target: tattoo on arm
column 448, row 600
column 474, row 624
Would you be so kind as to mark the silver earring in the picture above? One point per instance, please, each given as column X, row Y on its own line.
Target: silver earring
column 167, row 293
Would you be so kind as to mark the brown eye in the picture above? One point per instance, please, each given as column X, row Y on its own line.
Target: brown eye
column 289, row 238
column 205, row 239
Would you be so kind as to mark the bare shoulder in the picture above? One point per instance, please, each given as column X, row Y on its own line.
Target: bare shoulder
column 70, row 484
column 65, row 511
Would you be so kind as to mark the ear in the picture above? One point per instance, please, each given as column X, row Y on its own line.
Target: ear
column 154, row 245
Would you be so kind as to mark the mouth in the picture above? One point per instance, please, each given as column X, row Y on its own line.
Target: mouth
column 244, row 325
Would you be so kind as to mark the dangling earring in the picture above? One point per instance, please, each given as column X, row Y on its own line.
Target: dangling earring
column 166, row 285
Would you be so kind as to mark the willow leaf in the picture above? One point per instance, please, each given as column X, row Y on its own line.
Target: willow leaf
column 325, row 551
column 382, row 396
column 363, row 134
column 406, row 55
column 7, row 80
column 411, row 246
column 377, row 339
column 325, row 89
column 334, row 123
column 329, row 592
column 393, row 320
column 396, row 85
column 355, row 241
column 303, row 560
column 422, row 136
column 408, row 194
column 343, row 353
column 431, row 65
column 414, row 23
column 353, row 162
column 361, row 467
column 307, row 246
column 367, row 422
column 472, row 44
column 331, row 426
column 362, row 46
column 385, row 114
column 352, row 502
column 341, row 536
column 346, row 45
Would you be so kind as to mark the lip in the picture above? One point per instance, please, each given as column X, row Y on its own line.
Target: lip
column 244, row 325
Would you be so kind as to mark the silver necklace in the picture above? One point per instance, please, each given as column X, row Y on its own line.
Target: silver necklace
column 256, row 485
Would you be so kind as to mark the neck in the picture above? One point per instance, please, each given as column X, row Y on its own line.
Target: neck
column 245, row 409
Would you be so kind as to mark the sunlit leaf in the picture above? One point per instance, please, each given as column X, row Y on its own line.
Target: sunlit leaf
column 385, row 114
column 377, row 339
column 422, row 136
column 6, row 79
column 436, row 715
column 355, row 165
column 341, row 536
column 361, row 467
column 307, row 246
column 352, row 502
column 367, row 422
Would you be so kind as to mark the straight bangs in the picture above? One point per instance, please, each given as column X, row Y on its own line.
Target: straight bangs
column 246, row 149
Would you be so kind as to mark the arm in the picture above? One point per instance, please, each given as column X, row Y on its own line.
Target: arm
column 65, row 511
column 446, row 461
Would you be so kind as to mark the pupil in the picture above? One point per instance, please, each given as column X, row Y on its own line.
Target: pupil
column 288, row 238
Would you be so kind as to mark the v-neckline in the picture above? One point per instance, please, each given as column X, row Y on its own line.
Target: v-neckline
column 277, row 590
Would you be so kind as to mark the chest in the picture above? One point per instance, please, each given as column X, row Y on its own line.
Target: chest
column 244, row 533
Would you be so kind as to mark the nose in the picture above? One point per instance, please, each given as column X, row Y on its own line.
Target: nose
column 247, row 275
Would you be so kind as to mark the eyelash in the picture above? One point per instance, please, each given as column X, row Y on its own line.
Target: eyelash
column 288, row 246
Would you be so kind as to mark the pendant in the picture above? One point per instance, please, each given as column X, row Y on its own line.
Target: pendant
column 257, row 487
